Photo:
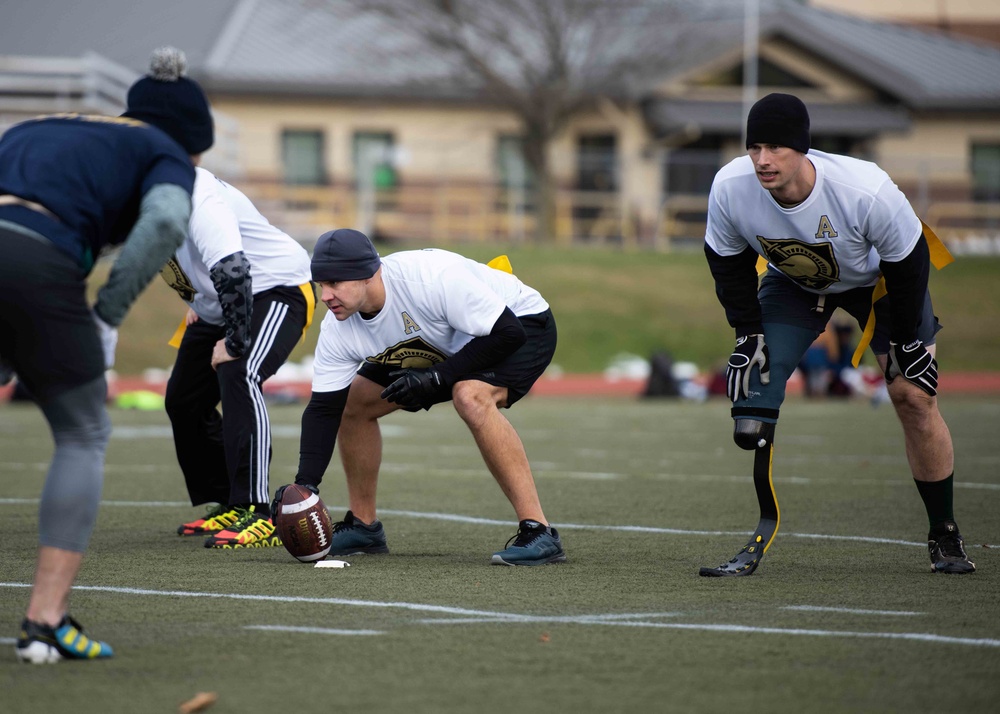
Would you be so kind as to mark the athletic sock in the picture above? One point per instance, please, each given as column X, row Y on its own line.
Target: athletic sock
column 938, row 499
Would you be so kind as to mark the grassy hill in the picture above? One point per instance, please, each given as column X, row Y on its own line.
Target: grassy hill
column 607, row 302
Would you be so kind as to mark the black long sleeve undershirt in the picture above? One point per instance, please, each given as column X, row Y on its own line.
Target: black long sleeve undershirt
column 736, row 287
column 504, row 339
column 320, row 424
column 906, row 283
column 321, row 418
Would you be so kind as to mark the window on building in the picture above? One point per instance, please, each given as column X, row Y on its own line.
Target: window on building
column 691, row 169
column 512, row 170
column 302, row 156
column 986, row 172
column 597, row 162
column 373, row 160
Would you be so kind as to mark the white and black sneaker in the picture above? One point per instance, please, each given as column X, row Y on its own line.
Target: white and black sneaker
column 947, row 551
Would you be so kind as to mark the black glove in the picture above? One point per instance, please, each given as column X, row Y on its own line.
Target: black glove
column 750, row 350
column 413, row 388
column 914, row 363
column 279, row 494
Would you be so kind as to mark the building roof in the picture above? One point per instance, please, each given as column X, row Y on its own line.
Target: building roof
column 332, row 48
column 667, row 116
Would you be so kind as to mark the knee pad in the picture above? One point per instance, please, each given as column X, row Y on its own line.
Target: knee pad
column 751, row 434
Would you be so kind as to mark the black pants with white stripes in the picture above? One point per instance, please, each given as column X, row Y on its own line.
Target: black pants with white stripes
column 225, row 457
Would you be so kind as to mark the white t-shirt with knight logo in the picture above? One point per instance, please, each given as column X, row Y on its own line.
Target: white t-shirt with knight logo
column 436, row 301
column 833, row 241
column 224, row 221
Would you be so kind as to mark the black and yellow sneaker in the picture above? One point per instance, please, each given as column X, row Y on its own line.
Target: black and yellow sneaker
column 217, row 519
column 947, row 551
column 252, row 530
column 44, row 644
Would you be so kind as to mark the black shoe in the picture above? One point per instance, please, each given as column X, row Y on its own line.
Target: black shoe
column 945, row 545
column 352, row 537
column 533, row 544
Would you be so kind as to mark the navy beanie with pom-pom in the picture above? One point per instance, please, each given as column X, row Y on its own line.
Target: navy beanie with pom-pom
column 173, row 103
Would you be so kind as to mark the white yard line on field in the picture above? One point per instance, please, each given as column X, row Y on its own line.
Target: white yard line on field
column 492, row 617
column 851, row 611
column 312, row 630
column 474, row 520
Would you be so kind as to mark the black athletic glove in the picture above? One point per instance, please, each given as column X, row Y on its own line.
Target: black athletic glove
column 413, row 388
column 914, row 363
column 276, row 501
column 750, row 350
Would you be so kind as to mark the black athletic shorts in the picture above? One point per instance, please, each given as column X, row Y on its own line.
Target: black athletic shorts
column 518, row 373
column 784, row 302
column 47, row 331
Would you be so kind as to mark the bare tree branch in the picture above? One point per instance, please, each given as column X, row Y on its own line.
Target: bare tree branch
column 545, row 60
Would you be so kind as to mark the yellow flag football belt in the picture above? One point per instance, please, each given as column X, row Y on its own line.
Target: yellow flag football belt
column 940, row 257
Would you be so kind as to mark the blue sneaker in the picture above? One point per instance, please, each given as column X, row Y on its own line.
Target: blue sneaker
column 352, row 537
column 42, row 644
column 534, row 544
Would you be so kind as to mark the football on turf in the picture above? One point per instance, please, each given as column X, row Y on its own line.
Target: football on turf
column 303, row 524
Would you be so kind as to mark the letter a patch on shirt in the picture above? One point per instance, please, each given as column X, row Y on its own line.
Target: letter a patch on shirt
column 409, row 326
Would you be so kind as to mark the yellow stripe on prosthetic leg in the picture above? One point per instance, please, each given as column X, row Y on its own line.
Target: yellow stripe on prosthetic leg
column 767, row 499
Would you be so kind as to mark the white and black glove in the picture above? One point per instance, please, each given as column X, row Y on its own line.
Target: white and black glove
column 750, row 350
column 109, row 340
column 914, row 363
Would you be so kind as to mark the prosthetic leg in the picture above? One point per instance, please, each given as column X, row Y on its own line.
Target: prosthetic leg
column 757, row 435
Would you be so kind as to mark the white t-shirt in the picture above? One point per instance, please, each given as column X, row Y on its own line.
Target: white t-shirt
column 435, row 302
column 829, row 243
column 224, row 221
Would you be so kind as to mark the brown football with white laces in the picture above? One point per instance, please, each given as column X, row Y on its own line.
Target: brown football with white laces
column 303, row 524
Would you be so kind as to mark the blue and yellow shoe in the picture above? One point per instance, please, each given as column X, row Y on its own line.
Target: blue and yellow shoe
column 533, row 544
column 44, row 644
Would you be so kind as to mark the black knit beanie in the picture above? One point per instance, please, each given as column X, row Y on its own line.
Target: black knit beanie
column 170, row 101
column 780, row 119
column 344, row 254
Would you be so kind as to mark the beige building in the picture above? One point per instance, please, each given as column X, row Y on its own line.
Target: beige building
column 975, row 19
column 334, row 116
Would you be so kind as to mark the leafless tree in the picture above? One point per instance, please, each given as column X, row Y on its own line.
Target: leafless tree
column 543, row 60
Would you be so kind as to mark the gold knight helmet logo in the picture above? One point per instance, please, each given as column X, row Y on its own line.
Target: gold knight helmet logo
column 811, row 265
column 178, row 280
column 409, row 354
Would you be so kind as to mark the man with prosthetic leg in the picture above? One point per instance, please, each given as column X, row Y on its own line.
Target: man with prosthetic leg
column 836, row 232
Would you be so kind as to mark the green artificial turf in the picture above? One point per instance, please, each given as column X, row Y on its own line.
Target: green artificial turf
column 644, row 492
